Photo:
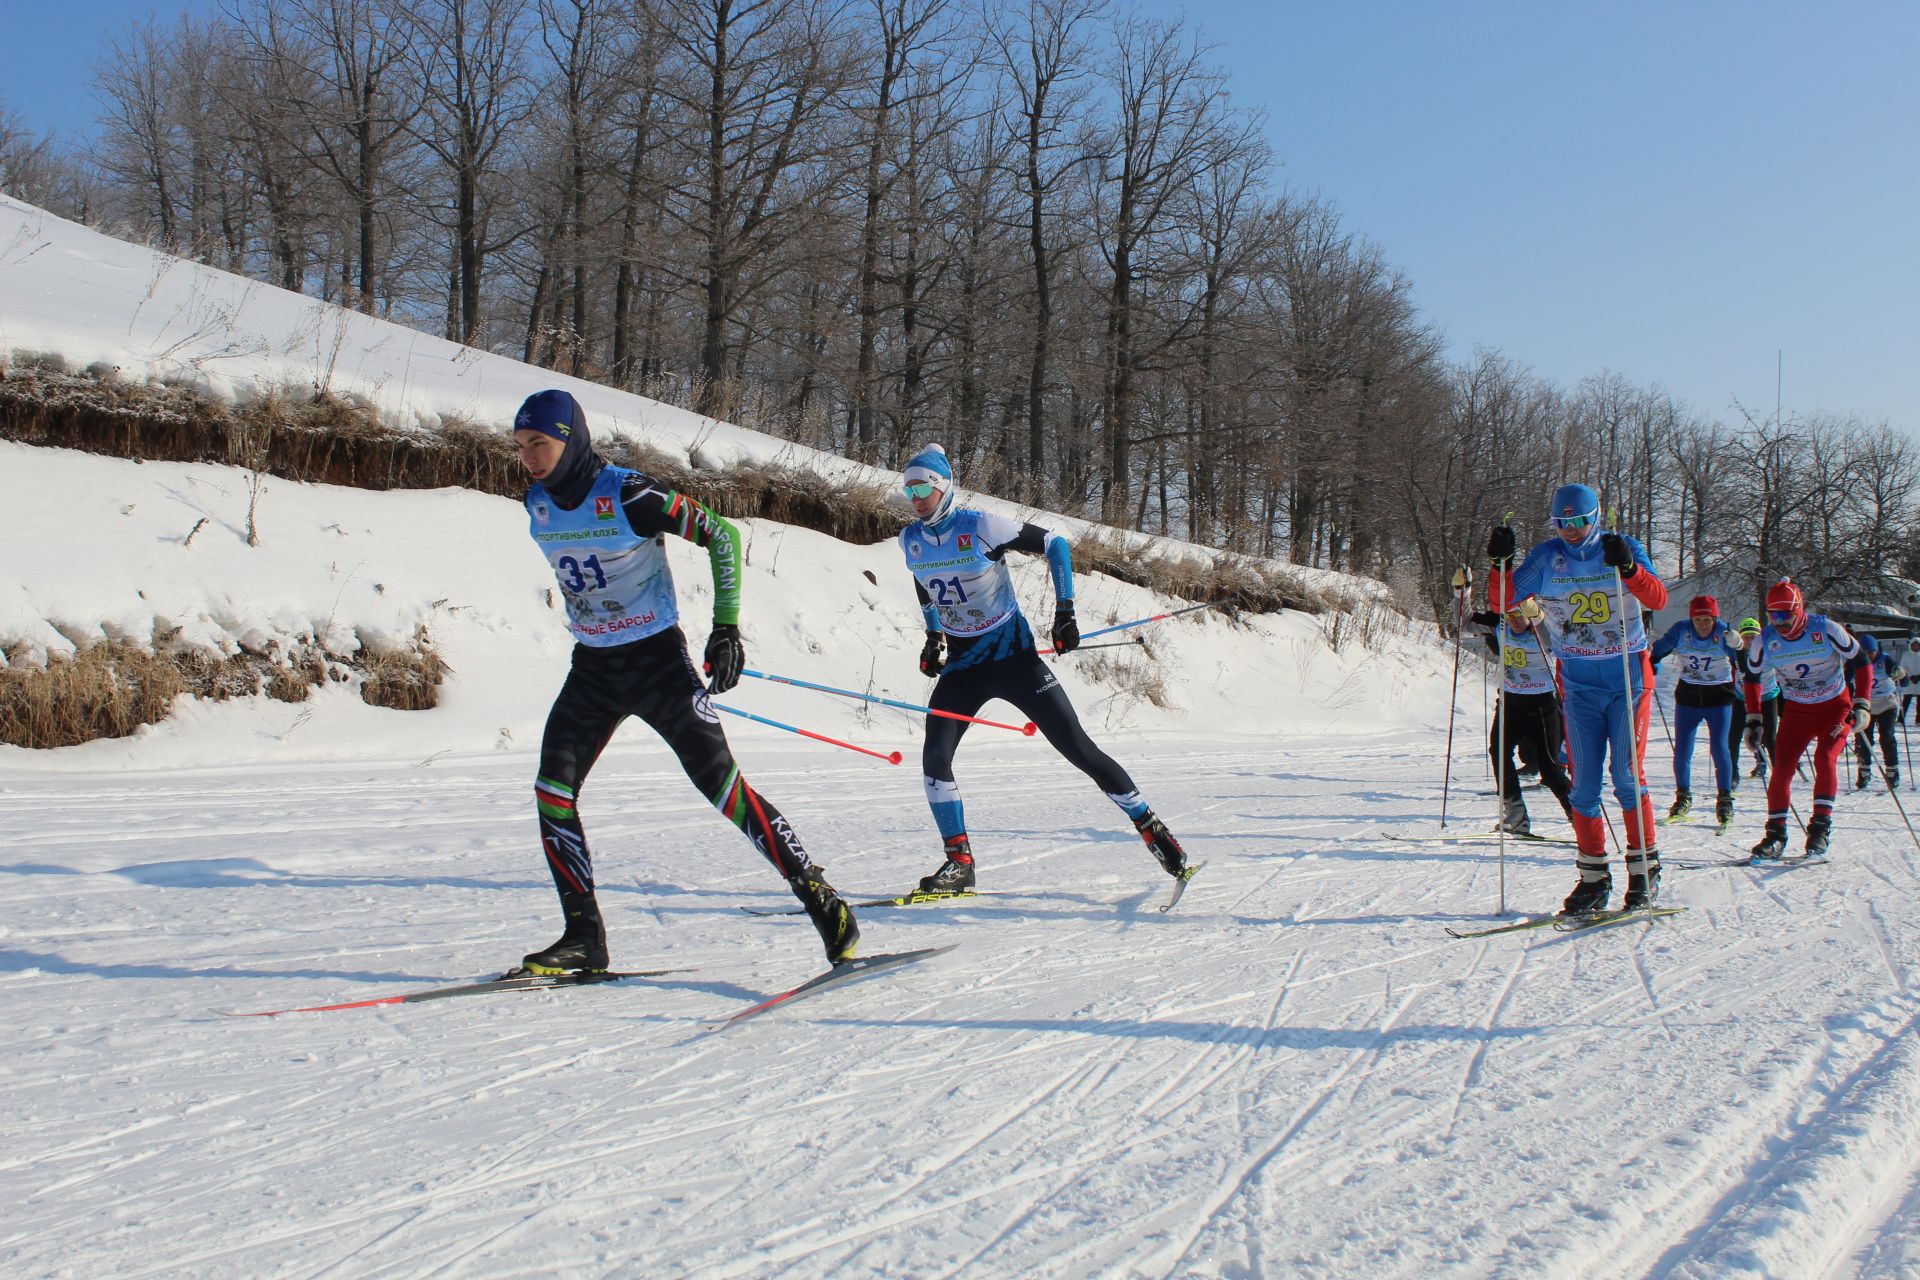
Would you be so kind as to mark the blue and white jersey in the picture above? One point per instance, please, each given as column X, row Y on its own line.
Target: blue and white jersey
column 1705, row 660
column 1886, row 681
column 1812, row 667
column 962, row 571
column 617, row 584
column 1524, row 663
column 1575, row 586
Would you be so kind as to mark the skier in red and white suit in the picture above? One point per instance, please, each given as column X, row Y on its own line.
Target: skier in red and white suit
column 1815, row 659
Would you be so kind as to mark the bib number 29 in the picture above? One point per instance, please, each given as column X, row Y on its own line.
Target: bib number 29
column 1591, row 607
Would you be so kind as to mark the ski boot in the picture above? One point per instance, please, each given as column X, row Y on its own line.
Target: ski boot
column 1514, row 819
column 1588, row 896
column 582, row 948
column 1642, row 890
column 1819, row 833
column 1861, row 779
column 1723, row 809
column 1166, row 850
column 839, row 931
column 1774, row 843
column 1682, row 806
column 955, row 875
column 1893, row 779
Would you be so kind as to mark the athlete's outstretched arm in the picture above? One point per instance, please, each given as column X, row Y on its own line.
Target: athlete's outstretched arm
column 654, row 510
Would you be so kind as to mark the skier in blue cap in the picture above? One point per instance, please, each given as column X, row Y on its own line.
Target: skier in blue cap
column 1608, row 700
column 602, row 528
column 980, row 646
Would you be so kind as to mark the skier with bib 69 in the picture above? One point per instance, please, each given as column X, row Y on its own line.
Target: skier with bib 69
column 981, row 647
column 1582, row 578
column 1810, row 654
column 603, row 531
column 1529, row 717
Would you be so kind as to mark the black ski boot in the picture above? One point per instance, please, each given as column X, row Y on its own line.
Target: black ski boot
column 955, row 875
column 1819, row 833
column 1682, row 806
column 839, row 931
column 1723, row 808
column 582, row 948
column 1514, row 819
column 1774, row 843
column 1642, row 890
column 1893, row 779
column 1861, row 779
column 1166, row 850
column 1588, row 895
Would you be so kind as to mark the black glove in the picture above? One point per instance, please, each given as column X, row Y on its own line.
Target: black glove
column 932, row 658
column 1755, row 725
column 726, row 657
column 1615, row 552
column 1066, row 632
column 1500, row 544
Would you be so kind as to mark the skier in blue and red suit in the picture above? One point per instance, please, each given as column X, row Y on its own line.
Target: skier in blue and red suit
column 1607, row 710
column 1815, row 659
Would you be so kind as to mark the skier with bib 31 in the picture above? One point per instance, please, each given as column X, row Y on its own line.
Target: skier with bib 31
column 1810, row 654
column 980, row 646
column 1607, row 698
column 603, row 531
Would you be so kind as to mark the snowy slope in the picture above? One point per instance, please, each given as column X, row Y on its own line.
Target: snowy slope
column 1298, row 1073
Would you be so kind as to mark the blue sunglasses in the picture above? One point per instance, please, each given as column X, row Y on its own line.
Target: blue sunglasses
column 924, row 489
column 1571, row 522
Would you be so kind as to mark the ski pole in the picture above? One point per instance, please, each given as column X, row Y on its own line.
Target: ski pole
column 1462, row 586
column 1500, row 772
column 1028, row 728
column 890, row 758
column 1895, row 793
column 1110, row 644
column 1158, row 617
column 1633, row 732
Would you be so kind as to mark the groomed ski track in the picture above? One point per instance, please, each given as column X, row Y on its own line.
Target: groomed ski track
column 1297, row 1072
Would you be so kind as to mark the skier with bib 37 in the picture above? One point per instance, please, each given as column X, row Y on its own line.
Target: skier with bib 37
column 603, row 531
column 980, row 646
column 1606, row 698
column 1706, row 694
column 1809, row 653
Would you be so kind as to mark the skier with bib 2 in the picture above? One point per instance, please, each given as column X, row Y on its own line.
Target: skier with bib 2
column 1810, row 654
column 980, row 646
column 1607, row 699
column 603, row 531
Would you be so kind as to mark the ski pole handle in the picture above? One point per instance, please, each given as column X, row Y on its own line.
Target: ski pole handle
column 890, row 758
column 1029, row 728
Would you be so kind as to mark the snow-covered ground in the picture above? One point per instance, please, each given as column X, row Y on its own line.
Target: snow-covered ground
column 1296, row 1073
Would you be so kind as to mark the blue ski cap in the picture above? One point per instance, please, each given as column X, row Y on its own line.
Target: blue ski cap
column 930, row 467
column 1870, row 644
column 551, row 413
column 1575, row 506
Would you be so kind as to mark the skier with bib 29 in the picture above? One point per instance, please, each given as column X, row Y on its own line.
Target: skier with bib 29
column 1811, row 654
column 980, row 646
column 1607, row 700
column 603, row 531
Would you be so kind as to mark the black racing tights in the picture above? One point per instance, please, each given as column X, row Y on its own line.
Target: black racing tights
column 653, row 679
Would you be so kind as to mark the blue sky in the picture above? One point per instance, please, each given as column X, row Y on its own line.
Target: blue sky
column 1677, row 192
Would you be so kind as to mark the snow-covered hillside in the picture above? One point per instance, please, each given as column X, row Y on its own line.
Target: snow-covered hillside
column 1296, row 1073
